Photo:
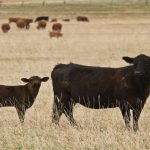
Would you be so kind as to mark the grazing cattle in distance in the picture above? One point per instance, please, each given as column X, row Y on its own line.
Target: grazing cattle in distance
column 46, row 18
column 82, row 19
column 5, row 27
column 21, row 97
column 55, row 34
column 66, row 19
column 13, row 19
column 53, row 20
column 57, row 27
column 100, row 87
column 20, row 23
column 42, row 24
column 27, row 22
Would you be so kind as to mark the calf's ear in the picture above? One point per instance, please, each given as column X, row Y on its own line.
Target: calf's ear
column 25, row 80
column 128, row 59
column 44, row 79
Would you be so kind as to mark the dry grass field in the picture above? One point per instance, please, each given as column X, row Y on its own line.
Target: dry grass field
column 101, row 42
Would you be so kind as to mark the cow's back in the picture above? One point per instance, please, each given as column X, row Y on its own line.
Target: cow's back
column 10, row 90
column 9, row 95
column 77, row 78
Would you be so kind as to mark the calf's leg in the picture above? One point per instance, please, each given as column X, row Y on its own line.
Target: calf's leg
column 21, row 113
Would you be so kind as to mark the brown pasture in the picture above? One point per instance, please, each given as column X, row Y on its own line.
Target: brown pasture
column 101, row 42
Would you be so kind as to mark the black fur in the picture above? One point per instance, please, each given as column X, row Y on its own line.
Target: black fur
column 99, row 87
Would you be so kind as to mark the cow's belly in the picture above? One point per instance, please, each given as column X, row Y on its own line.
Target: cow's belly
column 96, row 102
column 7, row 101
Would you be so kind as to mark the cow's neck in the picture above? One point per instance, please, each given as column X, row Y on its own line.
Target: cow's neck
column 143, row 87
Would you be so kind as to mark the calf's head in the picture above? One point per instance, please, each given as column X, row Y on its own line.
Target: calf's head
column 35, row 81
column 141, row 65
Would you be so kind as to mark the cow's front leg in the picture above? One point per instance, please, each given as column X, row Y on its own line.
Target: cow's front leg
column 21, row 113
column 125, row 110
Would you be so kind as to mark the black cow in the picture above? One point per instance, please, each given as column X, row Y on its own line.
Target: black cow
column 21, row 97
column 98, row 87
column 46, row 18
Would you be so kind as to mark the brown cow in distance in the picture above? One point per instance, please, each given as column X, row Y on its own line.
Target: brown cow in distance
column 20, row 23
column 5, row 27
column 100, row 87
column 57, row 27
column 82, row 19
column 13, row 19
column 21, row 97
column 55, row 34
column 66, row 19
column 53, row 20
column 42, row 24
column 27, row 22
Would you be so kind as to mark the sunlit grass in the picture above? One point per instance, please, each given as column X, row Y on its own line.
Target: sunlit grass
column 101, row 42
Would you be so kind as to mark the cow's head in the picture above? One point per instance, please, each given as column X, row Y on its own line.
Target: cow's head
column 141, row 64
column 35, row 81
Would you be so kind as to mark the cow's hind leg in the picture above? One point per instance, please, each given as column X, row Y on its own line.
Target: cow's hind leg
column 68, row 111
column 57, row 109
column 63, row 104
column 125, row 110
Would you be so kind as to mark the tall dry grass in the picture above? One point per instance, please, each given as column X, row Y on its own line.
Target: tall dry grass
column 102, row 42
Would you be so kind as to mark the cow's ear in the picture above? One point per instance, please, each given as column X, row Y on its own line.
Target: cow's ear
column 128, row 59
column 25, row 80
column 44, row 79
